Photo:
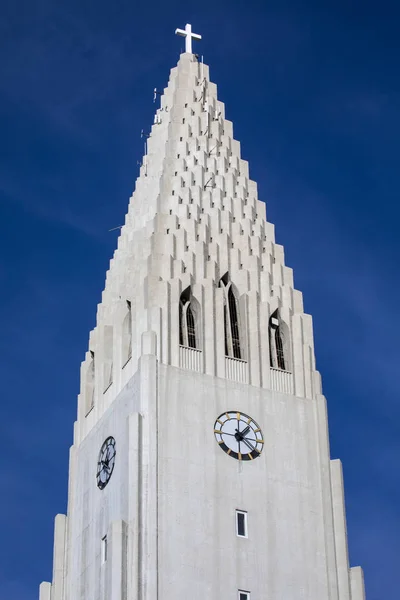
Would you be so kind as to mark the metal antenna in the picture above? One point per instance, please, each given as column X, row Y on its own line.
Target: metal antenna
column 156, row 93
column 115, row 228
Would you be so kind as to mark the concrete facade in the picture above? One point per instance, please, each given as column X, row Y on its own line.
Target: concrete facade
column 164, row 526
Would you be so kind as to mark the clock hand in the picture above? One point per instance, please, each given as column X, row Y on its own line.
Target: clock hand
column 245, row 430
column 248, row 444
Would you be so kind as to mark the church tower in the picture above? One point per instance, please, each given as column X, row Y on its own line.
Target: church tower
column 200, row 463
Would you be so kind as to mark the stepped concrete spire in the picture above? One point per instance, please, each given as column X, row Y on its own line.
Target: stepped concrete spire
column 194, row 216
column 201, row 419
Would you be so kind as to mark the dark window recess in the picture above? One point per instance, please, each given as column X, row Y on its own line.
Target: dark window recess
column 180, row 324
column 190, row 328
column 234, row 324
column 225, row 320
column 241, row 524
column 280, row 356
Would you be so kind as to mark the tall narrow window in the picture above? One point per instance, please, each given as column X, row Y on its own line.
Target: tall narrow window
column 89, row 387
column 278, row 343
column 104, row 549
column 234, row 324
column 108, row 357
column 280, row 357
column 241, row 523
column 127, row 336
column 231, row 320
column 187, row 320
column 242, row 595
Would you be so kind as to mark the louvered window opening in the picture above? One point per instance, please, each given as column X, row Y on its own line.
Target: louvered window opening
column 191, row 330
column 181, row 324
column 226, row 325
column 187, row 326
column 280, row 356
column 234, row 324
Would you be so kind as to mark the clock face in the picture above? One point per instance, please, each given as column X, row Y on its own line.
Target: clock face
column 105, row 464
column 239, row 435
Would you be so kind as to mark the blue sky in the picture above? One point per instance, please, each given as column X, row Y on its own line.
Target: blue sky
column 313, row 92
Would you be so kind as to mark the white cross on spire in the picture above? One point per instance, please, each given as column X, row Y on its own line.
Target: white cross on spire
column 187, row 33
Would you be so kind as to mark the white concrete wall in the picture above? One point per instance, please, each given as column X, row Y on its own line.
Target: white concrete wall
column 169, row 508
column 200, row 487
column 94, row 513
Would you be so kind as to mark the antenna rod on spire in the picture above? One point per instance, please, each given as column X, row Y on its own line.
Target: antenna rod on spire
column 188, row 35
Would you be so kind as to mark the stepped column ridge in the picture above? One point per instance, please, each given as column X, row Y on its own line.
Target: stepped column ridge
column 193, row 218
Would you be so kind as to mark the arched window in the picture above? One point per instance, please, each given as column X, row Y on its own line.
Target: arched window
column 231, row 320
column 127, row 336
column 89, row 385
column 278, row 343
column 187, row 321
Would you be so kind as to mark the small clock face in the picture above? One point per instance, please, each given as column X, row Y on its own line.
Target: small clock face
column 239, row 435
column 105, row 464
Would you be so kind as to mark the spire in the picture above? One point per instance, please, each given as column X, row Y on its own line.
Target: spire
column 195, row 224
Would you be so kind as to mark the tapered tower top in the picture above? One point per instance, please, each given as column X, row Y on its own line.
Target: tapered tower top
column 197, row 263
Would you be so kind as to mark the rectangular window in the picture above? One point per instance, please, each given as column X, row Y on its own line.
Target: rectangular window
column 242, row 595
column 104, row 549
column 241, row 524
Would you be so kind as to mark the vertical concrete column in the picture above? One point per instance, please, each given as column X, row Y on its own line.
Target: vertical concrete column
column 264, row 346
column 117, row 565
column 253, row 332
column 45, row 591
column 339, row 520
column 331, row 590
column 298, row 366
column 219, row 332
column 357, row 583
column 307, row 369
column 307, row 354
column 148, row 470
column 134, row 429
column 209, row 327
column 60, row 524
column 166, row 324
column 175, row 293
column 72, row 482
